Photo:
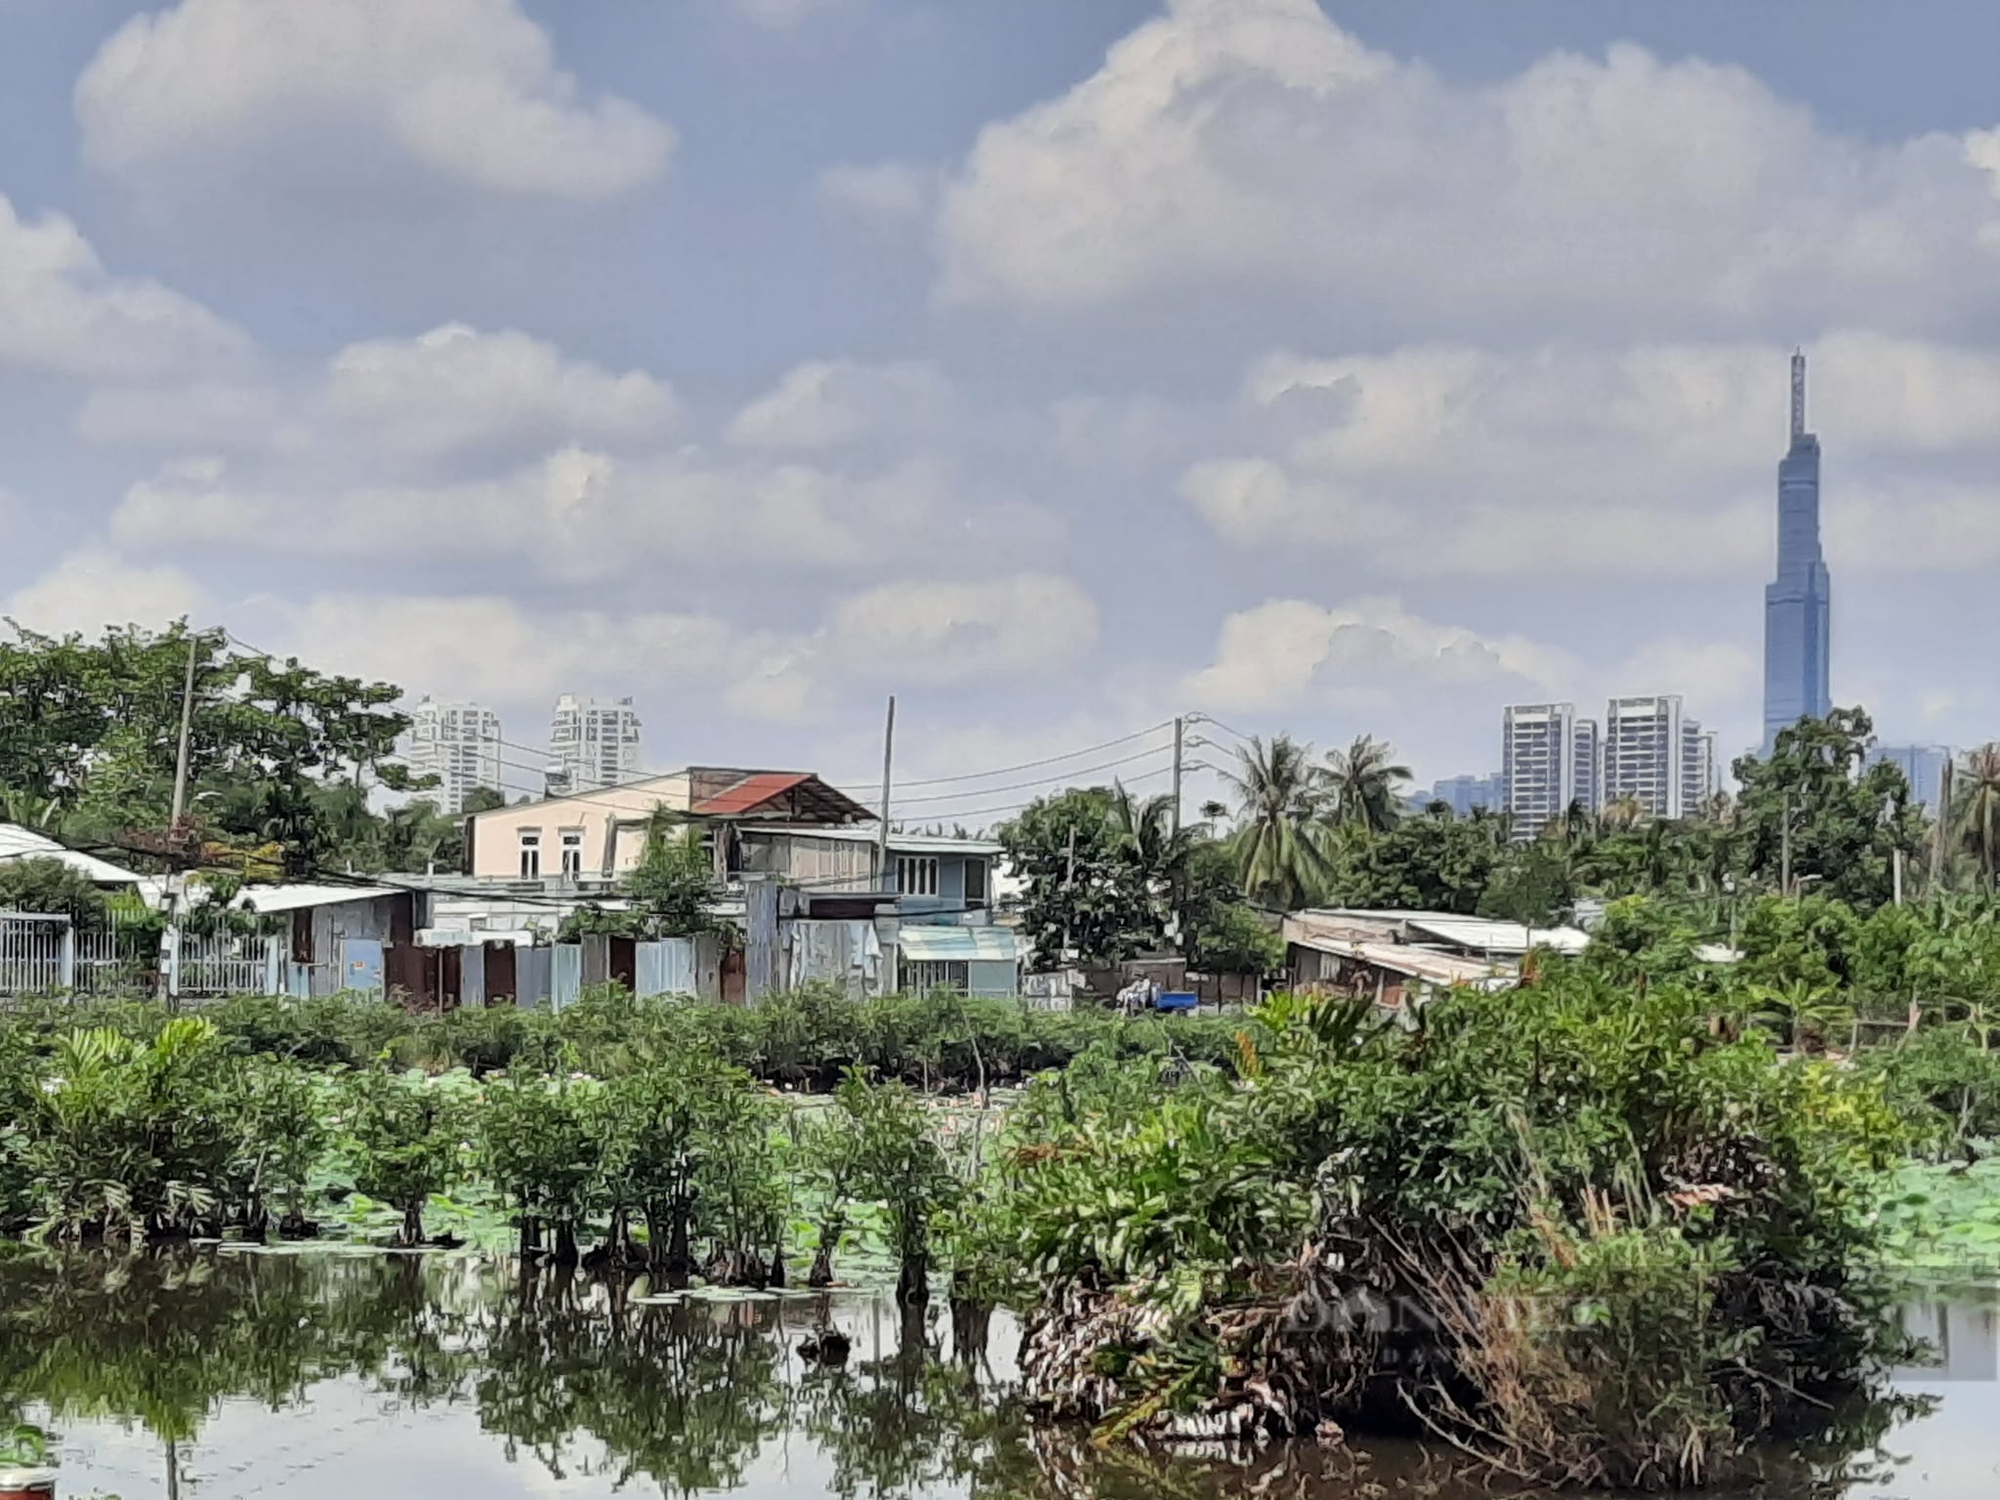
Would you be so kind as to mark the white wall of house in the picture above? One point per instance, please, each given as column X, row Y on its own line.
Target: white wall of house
column 532, row 840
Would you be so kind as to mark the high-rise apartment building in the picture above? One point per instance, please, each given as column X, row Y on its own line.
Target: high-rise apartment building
column 595, row 741
column 1922, row 766
column 1588, row 759
column 1798, row 602
column 1701, row 776
column 1464, row 793
column 459, row 743
column 1648, row 750
column 1538, row 755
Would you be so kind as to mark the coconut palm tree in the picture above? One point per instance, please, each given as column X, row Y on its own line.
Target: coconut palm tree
column 1281, row 797
column 1975, row 795
column 1364, row 781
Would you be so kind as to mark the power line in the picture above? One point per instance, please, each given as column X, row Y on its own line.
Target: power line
column 602, row 794
column 1030, row 765
column 1037, row 781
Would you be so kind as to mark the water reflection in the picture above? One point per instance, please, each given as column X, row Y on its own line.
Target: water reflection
column 331, row 1374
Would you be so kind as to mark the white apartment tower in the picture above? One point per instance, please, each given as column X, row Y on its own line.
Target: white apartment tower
column 1701, row 776
column 1538, row 744
column 595, row 741
column 459, row 744
column 1656, row 756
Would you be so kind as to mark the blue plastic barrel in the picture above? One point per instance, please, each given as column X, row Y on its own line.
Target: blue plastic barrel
column 1176, row 1000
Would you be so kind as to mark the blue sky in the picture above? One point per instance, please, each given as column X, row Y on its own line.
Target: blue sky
column 1059, row 366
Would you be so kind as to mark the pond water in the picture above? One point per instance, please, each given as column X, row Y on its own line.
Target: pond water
column 328, row 1375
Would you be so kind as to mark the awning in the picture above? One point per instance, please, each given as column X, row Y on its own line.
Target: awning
column 959, row 945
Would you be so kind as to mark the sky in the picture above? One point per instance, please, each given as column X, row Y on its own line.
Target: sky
column 1058, row 366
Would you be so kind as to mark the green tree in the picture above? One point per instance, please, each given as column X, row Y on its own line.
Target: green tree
column 1433, row 862
column 1846, row 818
column 1281, row 796
column 51, row 887
column 1083, row 888
column 91, row 732
column 1366, row 784
column 673, row 888
column 405, row 1141
column 1975, row 810
column 902, row 1167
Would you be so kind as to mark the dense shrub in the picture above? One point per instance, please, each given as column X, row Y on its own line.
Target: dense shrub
column 1470, row 1157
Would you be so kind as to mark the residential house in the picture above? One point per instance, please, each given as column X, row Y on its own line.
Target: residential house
column 1397, row 956
column 593, row 838
column 350, row 937
column 800, row 872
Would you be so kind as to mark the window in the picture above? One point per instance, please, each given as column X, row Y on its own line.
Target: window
column 923, row 976
column 572, row 853
column 975, row 882
column 916, row 875
column 531, row 854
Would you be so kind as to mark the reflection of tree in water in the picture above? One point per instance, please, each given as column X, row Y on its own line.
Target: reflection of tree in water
column 907, row 1421
column 687, row 1394
column 576, row 1374
column 160, row 1339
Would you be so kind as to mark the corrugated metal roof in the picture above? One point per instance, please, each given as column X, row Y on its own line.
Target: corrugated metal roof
column 1483, row 935
column 959, row 944
column 17, row 842
column 751, row 791
column 1475, row 934
column 265, row 899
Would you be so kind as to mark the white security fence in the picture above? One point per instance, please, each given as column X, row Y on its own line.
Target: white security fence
column 44, row 955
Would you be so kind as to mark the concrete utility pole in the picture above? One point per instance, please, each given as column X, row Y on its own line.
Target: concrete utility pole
column 888, row 763
column 170, row 963
column 1069, row 885
column 181, row 755
column 1785, row 850
column 1180, row 724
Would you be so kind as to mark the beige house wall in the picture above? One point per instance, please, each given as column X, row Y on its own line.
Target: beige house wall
column 608, row 849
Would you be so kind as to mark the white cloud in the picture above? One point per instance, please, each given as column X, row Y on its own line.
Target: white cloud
column 383, row 402
column 61, row 311
column 954, row 631
column 835, row 403
column 581, row 515
column 492, row 649
column 466, row 89
column 1710, row 674
column 1253, row 143
column 1286, row 653
column 94, row 588
column 1648, row 460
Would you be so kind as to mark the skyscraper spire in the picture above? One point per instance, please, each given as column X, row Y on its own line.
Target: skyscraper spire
column 1798, row 395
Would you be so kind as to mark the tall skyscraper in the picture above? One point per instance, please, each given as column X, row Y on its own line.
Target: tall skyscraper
column 595, row 741
column 1539, row 762
column 459, row 743
column 1922, row 766
column 1797, row 604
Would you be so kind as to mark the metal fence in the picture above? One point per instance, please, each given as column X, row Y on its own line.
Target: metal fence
column 37, row 954
column 46, row 954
